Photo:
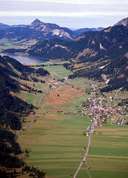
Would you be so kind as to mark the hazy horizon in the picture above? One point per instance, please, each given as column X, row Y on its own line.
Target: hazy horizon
column 29, row 21
column 72, row 14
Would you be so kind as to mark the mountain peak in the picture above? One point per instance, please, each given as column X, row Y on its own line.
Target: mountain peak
column 36, row 22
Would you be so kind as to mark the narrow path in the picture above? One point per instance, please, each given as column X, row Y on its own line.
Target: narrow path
column 90, row 132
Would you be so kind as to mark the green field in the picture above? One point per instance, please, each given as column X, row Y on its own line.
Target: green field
column 58, row 71
column 57, row 145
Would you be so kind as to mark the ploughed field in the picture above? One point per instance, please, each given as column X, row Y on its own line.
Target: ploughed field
column 54, row 135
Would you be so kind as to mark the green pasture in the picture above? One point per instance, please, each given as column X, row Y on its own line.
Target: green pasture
column 58, row 71
column 56, row 146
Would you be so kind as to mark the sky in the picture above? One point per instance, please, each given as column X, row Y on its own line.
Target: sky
column 69, row 13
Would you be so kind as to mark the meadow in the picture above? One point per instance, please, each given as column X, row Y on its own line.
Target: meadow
column 59, row 72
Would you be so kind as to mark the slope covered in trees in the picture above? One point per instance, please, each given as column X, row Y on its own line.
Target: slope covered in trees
column 12, row 112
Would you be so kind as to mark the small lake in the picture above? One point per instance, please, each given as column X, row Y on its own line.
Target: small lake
column 24, row 59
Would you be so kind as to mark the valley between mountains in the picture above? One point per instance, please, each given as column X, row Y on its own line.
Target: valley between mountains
column 63, row 101
column 55, row 137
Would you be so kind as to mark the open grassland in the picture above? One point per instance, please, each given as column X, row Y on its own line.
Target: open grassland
column 58, row 71
column 56, row 140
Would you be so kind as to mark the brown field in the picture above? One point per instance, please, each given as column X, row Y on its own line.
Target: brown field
column 63, row 95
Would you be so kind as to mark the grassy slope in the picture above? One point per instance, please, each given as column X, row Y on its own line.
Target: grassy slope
column 56, row 144
column 58, row 72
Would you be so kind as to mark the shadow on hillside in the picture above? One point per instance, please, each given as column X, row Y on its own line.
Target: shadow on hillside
column 11, row 111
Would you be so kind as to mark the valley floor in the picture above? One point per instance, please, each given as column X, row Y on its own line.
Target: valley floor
column 55, row 137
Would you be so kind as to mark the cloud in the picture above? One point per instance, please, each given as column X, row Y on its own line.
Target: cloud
column 77, row 1
column 60, row 14
column 80, row 12
column 69, row 7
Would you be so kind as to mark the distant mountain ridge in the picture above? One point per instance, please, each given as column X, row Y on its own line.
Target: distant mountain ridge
column 39, row 30
column 4, row 26
column 83, row 30
column 106, row 49
column 91, row 45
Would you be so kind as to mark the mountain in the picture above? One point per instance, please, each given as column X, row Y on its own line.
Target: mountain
column 36, row 31
column 123, row 22
column 83, row 30
column 55, row 48
column 114, row 72
column 93, row 54
column 99, row 47
column 20, row 32
column 104, row 57
column 4, row 26
column 22, row 37
column 97, row 54
column 12, row 111
column 11, row 71
column 19, row 38
column 50, row 30
column 92, row 45
column 110, row 42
